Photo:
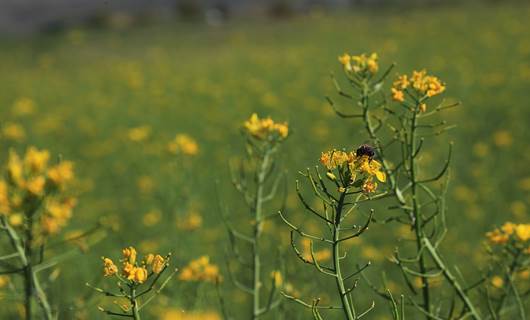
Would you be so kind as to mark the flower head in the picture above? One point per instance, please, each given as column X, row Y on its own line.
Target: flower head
column 265, row 129
column 109, row 268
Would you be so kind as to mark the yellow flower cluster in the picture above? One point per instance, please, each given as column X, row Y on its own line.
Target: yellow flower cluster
column 139, row 134
column 200, row 270
column 519, row 233
column 57, row 214
column 360, row 64
column 423, row 84
column 351, row 164
column 190, row 222
column 184, row 144
column 31, row 177
column 132, row 270
column 265, row 129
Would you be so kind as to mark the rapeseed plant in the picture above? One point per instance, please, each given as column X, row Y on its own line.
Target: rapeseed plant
column 136, row 281
column 35, row 203
column 264, row 137
column 351, row 178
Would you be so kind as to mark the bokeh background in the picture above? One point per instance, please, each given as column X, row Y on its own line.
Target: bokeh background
column 110, row 85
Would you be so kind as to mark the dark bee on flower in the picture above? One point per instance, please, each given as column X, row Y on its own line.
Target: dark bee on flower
column 365, row 150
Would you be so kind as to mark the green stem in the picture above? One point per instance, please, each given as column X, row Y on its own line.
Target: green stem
column 451, row 279
column 346, row 306
column 507, row 278
column 416, row 212
column 134, row 303
column 258, row 204
column 28, row 270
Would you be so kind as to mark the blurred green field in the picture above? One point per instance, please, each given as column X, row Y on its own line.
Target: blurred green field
column 89, row 87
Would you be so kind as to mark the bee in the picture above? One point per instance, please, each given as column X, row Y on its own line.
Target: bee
column 365, row 150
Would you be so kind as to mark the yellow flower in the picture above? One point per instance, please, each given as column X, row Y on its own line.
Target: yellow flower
column 426, row 84
column 508, row 228
column 523, row 232
column 129, row 254
column 4, row 198
column 182, row 143
column 277, row 278
column 397, row 95
column 139, row 134
column 60, row 210
column 497, row 282
column 502, row 138
column 16, row 219
column 13, row 131
column 402, row 82
column 140, row 274
column 158, row 264
column 128, row 270
column 497, row 237
column 369, row 186
column 192, row 221
column 23, row 106
column 36, row 185
column 36, row 160
column 345, row 60
column 151, row 218
column 371, row 167
column 62, row 173
column 200, row 270
column 335, row 158
column 265, row 129
column 4, row 280
column 15, row 168
column 422, row 107
column 365, row 63
column 149, row 259
column 109, row 268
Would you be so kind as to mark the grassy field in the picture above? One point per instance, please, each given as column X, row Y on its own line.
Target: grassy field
column 89, row 88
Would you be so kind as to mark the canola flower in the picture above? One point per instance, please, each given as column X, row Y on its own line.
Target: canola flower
column 136, row 274
column 510, row 233
column 31, row 179
column 132, row 269
column 352, row 165
column 418, row 85
column 200, row 270
column 265, row 129
column 360, row 64
column 183, row 144
column 13, row 131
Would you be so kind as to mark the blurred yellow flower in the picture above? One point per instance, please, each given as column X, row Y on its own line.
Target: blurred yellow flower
column 398, row 95
column 191, row 221
column 62, row 173
column 152, row 217
column 139, row 134
column 36, row 160
column 265, row 129
column 497, row 282
column 184, row 144
column 502, row 138
column 13, row 131
column 200, row 270
column 523, row 232
column 36, row 185
column 16, row 219
column 23, row 106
